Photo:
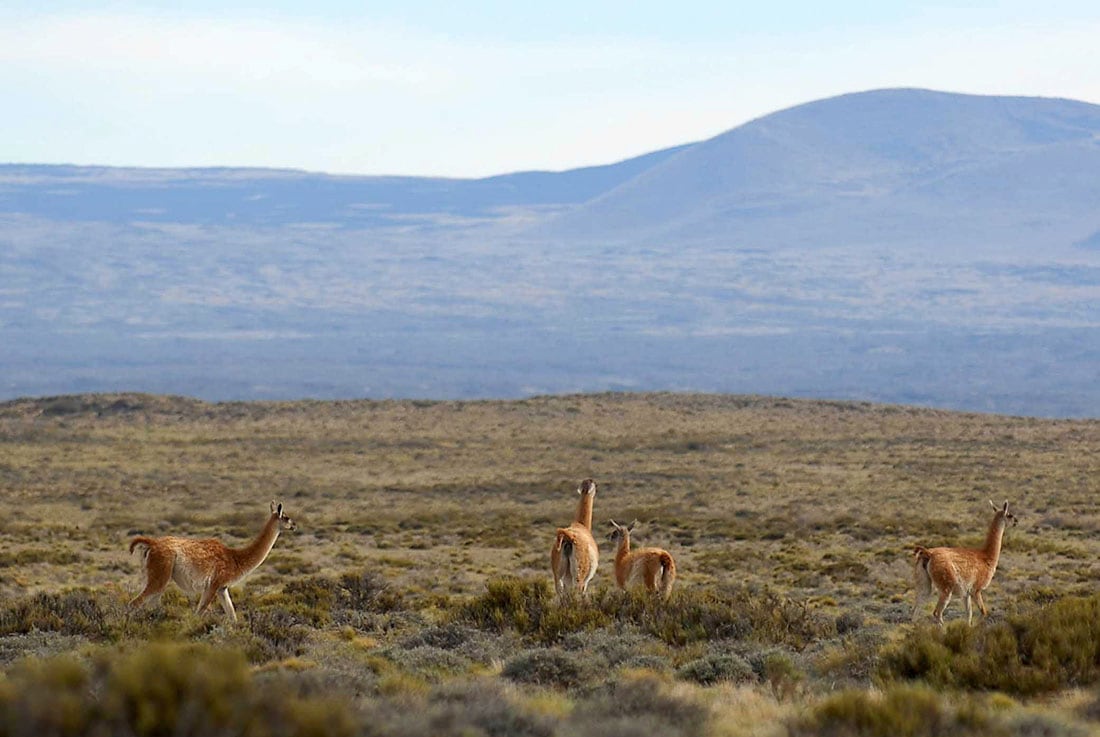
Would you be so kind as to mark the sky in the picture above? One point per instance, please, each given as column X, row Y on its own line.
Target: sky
column 476, row 88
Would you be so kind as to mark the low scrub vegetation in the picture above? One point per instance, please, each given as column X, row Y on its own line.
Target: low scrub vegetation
column 415, row 596
column 1046, row 649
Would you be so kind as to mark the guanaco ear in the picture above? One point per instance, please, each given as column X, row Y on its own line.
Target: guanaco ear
column 273, row 506
column 1005, row 510
column 631, row 525
column 994, row 505
column 615, row 524
column 279, row 511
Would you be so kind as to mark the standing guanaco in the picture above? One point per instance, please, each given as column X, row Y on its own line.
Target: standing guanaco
column 205, row 565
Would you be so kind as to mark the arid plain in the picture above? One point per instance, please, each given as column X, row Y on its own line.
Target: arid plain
column 432, row 514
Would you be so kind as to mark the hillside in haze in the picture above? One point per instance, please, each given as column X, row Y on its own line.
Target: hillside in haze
column 893, row 167
column 895, row 245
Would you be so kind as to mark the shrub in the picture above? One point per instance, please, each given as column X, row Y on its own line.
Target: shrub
column 549, row 667
column 478, row 707
column 613, row 647
column 531, row 609
column 703, row 615
column 855, row 659
column 319, row 600
column 428, row 663
column 466, row 641
column 1047, row 649
column 716, row 667
column 528, row 607
column 45, row 697
column 638, row 705
column 275, row 634
column 75, row 612
column 902, row 711
column 161, row 689
column 782, row 675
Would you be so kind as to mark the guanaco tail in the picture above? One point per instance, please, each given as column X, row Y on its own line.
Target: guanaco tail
column 205, row 566
column 574, row 557
column 964, row 572
column 653, row 567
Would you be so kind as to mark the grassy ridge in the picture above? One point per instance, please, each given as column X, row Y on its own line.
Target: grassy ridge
column 421, row 560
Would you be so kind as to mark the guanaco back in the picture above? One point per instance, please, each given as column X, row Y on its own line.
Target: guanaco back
column 575, row 555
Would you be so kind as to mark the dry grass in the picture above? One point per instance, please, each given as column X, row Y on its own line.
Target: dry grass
column 817, row 502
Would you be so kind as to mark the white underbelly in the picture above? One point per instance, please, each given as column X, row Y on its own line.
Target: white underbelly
column 188, row 577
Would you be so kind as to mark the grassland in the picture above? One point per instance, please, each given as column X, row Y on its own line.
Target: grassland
column 414, row 596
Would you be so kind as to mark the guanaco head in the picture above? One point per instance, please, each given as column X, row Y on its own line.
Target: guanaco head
column 1003, row 513
column 618, row 532
column 587, row 488
column 277, row 512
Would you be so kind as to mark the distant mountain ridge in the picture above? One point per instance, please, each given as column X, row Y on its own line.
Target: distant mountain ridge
column 281, row 196
column 860, row 167
column 900, row 246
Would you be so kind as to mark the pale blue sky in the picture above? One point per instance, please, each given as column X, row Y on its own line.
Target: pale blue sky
column 479, row 88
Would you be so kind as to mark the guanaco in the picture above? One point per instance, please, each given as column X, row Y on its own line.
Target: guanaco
column 654, row 567
column 205, row 565
column 966, row 572
column 574, row 557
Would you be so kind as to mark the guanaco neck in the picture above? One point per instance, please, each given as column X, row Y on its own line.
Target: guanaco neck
column 253, row 554
column 584, row 510
column 624, row 548
column 992, row 549
column 621, row 554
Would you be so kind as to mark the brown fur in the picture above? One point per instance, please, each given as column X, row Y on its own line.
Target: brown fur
column 654, row 567
column 205, row 566
column 966, row 572
column 575, row 555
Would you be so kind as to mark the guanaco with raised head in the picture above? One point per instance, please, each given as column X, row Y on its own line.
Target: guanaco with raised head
column 653, row 567
column 205, row 566
column 965, row 572
column 575, row 555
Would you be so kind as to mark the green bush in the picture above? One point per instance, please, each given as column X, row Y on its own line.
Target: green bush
column 529, row 607
column 1044, row 650
column 901, row 711
column 161, row 689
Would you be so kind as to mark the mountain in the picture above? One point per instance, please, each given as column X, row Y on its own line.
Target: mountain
column 879, row 167
column 902, row 246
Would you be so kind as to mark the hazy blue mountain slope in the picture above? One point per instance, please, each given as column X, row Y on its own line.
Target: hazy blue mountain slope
column 279, row 197
column 849, row 169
